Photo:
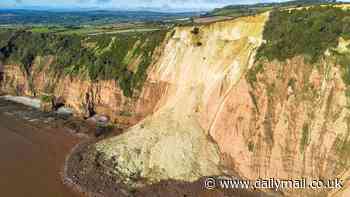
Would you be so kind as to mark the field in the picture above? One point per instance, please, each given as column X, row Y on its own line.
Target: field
column 89, row 22
column 77, row 18
column 92, row 30
column 246, row 10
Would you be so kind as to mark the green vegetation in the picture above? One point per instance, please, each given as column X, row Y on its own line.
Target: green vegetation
column 246, row 10
column 342, row 148
column 46, row 98
column 103, row 128
column 251, row 146
column 41, row 29
column 126, row 113
column 240, row 10
column 91, row 17
column 305, row 137
column 309, row 32
column 96, row 30
column 344, row 60
column 306, row 32
column 251, row 74
column 97, row 57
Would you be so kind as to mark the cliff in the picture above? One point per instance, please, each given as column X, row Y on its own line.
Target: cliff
column 86, row 96
column 289, row 121
column 225, row 98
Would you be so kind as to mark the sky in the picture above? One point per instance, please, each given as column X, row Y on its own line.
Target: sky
column 194, row 5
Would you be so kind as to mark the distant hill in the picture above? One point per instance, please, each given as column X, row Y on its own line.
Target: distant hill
column 28, row 17
column 240, row 10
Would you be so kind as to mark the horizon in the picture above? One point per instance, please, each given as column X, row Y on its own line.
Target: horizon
column 131, row 5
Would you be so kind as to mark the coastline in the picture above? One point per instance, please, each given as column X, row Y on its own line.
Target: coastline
column 98, row 183
column 68, row 180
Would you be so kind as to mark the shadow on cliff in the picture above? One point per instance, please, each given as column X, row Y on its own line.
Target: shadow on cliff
column 1, row 73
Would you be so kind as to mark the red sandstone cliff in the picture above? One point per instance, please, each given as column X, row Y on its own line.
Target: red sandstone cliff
column 197, row 111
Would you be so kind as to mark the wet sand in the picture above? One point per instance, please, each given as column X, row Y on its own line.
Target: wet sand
column 32, row 156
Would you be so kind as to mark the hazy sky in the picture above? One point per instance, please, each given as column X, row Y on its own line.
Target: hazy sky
column 128, row 4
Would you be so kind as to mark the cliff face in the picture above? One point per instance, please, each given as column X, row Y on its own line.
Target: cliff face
column 209, row 108
column 85, row 97
column 293, row 122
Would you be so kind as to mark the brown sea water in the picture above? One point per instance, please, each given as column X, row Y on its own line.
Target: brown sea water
column 32, row 153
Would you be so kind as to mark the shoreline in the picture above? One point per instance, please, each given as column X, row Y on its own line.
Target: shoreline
column 86, row 137
column 66, row 180
column 96, row 182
